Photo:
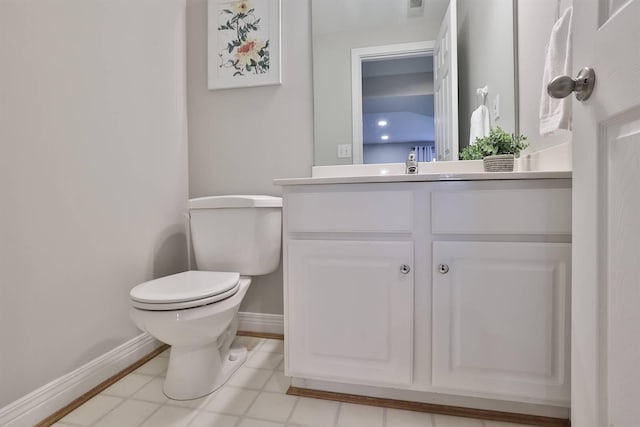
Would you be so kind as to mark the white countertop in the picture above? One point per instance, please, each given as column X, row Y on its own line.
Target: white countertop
column 550, row 163
column 426, row 177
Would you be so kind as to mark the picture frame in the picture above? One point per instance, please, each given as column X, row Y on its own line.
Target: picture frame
column 243, row 43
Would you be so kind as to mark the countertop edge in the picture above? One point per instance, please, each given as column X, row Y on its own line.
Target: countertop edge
column 427, row 177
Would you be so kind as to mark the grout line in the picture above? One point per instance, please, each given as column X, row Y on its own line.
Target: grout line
column 335, row 422
column 293, row 409
column 70, row 424
column 109, row 411
column 257, row 347
column 253, row 418
column 151, row 377
column 151, row 414
column 273, row 374
column 257, row 394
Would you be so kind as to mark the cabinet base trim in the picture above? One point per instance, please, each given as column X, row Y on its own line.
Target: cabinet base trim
column 457, row 411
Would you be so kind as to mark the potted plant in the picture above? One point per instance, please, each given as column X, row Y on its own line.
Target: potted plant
column 497, row 151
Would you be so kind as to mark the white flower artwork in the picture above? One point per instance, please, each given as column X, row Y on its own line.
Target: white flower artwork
column 244, row 43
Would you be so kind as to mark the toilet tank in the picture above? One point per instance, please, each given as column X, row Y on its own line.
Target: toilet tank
column 236, row 233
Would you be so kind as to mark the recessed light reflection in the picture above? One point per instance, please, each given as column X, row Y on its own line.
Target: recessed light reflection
column 382, row 123
column 384, row 137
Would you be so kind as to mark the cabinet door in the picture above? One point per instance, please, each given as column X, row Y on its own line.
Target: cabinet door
column 501, row 319
column 350, row 310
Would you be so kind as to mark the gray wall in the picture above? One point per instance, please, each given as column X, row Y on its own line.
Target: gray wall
column 485, row 58
column 240, row 140
column 398, row 85
column 93, row 176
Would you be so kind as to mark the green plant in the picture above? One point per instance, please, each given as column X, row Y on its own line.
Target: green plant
column 498, row 142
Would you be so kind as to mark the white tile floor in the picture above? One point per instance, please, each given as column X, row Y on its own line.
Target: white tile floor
column 253, row 397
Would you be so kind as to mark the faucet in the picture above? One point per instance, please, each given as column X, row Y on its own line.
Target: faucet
column 411, row 163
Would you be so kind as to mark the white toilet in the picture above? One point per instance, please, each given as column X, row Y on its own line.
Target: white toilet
column 233, row 238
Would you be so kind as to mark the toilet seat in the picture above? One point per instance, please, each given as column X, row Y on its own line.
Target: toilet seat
column 185, row 290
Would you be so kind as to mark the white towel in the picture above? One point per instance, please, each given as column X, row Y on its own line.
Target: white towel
column 480, row 126
column 555, row 114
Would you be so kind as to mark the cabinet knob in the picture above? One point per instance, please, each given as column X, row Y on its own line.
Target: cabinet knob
column 443, row 268
column 405, row 269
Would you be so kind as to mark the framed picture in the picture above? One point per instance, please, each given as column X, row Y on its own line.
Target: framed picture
column 243, row 43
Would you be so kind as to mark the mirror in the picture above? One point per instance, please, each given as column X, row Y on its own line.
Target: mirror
column 375, row 97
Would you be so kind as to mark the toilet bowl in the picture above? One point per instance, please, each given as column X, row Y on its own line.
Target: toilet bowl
column 200, row 336
column 196, row 312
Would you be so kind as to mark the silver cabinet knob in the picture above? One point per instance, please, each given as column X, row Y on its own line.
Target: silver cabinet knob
column 443, row 268
column 405, row 269
column 563, row 86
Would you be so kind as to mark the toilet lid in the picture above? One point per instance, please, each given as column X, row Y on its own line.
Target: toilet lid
column 185, row 287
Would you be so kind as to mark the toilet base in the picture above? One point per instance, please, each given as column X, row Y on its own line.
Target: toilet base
column 195, row 372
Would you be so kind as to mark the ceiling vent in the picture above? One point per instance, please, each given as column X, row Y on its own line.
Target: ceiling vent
column 415, row 7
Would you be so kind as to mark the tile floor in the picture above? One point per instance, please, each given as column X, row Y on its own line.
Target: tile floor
column 253, row 397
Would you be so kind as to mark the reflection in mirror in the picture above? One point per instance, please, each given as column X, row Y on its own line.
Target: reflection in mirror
column 397, row 109
column 339, row 26
column 393, row 105
column 341, row 29
column 486, row 57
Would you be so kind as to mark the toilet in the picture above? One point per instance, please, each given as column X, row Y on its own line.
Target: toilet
column 196, row 312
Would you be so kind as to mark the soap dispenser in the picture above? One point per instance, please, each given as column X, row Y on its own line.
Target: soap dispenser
column 411, row 163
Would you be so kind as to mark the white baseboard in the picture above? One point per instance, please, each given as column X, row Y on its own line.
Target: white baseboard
column 261, row 322
column 46, row 400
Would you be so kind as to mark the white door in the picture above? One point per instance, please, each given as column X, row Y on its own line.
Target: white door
column 606, row 217
column 351, row 310
column 445, row 69
column 501, row 319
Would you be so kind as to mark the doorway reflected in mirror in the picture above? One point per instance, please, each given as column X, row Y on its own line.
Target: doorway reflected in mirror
column 397, row 109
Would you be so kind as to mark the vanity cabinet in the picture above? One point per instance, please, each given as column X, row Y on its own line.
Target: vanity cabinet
column 431, row 291
column 353, row 315
column 349, row 263
column 500, row 318
column 501, row 281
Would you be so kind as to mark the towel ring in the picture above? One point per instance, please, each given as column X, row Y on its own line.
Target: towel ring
column 483, row 92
